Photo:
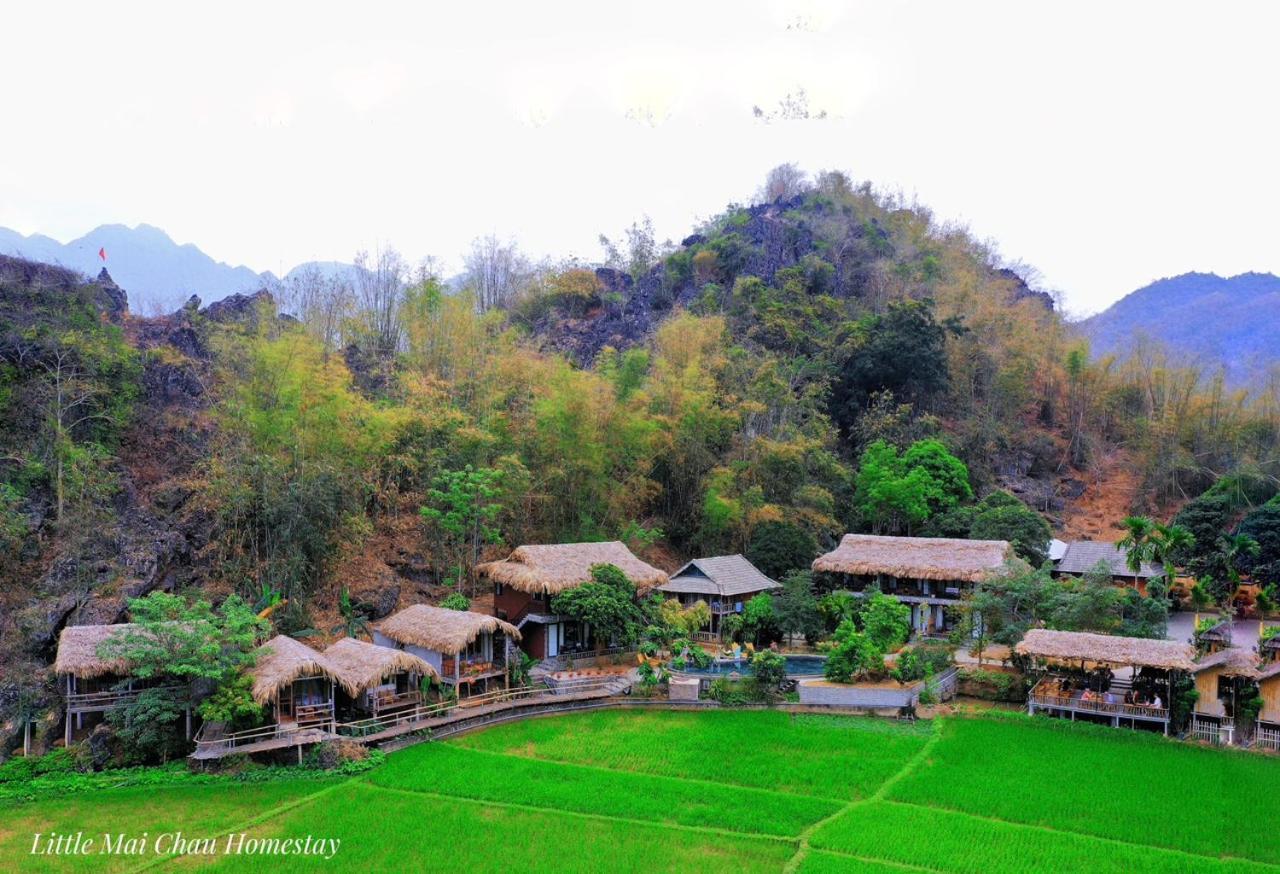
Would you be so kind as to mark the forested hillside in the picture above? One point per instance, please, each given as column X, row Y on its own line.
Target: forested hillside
column 828, row 360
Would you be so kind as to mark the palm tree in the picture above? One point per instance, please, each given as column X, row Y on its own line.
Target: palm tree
column 353, row 622
column 1167, row 542
column 1200, row 598
column 1137, row 541
column 1232, row 547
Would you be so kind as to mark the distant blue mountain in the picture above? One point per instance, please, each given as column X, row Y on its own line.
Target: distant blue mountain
column 1199, row 317
column 155, row 271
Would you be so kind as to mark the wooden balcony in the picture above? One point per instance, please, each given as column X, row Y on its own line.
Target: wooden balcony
column 93, row 702
column 1048, row 695
column 385, row 701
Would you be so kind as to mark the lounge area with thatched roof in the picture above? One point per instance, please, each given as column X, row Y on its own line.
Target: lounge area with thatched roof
column 930, row 574
column 464, row 648
column 525, row 582
column 1080, row 681
column 385, row 679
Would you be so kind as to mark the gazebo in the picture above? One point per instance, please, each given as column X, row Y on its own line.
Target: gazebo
column 458, row 645
column 1076, row 682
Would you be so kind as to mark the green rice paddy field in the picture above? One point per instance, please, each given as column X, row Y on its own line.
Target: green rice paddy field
column 740, row 791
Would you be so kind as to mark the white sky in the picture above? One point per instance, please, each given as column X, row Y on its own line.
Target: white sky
column 1106, row 143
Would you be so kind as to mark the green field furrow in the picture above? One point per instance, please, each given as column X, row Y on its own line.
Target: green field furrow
column 827, row 862
column 836, row 757
column 956, row 842
column 447, row 770
column 430, row 834
column 1137, row 788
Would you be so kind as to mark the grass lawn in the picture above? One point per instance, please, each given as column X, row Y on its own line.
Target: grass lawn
column 740, row 791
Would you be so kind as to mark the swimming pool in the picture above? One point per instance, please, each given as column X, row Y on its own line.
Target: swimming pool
column 797, row 666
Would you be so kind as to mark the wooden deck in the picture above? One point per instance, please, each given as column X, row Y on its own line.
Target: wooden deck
column 213, row 745
column 1045, row 697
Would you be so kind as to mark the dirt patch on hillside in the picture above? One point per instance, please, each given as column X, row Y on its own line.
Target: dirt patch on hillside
column 1112, row 492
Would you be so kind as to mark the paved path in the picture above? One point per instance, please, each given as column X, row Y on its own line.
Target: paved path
column 1244, row 632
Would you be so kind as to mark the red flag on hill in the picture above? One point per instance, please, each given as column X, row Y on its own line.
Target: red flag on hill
column 102, row 253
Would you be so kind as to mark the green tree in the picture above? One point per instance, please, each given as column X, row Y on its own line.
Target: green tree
column 464, row 506
column 898, row 492
column 778, row 548
column 855, row 656
column 796, row 607
column 185, row 647
column 759, row 623
column 608, row 603
column 1007, row 518
column 886, row 621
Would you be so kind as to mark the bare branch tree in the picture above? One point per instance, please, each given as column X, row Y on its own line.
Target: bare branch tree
column 380, row 284
column 496, row 271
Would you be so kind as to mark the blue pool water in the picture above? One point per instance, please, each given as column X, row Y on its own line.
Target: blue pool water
column 797, row 666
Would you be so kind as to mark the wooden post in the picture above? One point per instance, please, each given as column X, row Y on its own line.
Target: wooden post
column 26, row 738
column 66, row 740
column 188, row 722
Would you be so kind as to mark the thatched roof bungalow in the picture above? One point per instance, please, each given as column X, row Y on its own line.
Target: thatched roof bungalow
column 458, row 644
column 1084, row 556
column 297, row 680
column 916, row 558
column 525, row 582
column 384, row 678
column 1075, row 647
column 552, row 568
column 927, row 573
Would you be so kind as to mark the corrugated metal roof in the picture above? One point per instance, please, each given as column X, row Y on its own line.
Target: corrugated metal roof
column 723, row 575
column 1083, row 556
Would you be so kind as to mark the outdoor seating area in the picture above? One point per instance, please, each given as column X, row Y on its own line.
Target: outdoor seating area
column 1123, row 681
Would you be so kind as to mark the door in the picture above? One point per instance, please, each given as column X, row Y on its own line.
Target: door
column 553, row 639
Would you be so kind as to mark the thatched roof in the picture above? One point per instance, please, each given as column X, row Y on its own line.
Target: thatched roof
column 281, row 660
column 724, row 576
column 441, row 630
column 1230, row 662
column 78, row 651
column 1271, row 644
column 364, row 665
column 1075, row 646
column 1269, row 671
column 916, row 558
column 553, row 568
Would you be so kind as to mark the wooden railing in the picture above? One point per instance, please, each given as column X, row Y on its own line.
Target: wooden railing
column 392, row 700
column 1214, row 732
column 1041, row 696
column 310, row 713
column 1267, row 738
column 228, row 742
column 503, row 697
column 108, row 699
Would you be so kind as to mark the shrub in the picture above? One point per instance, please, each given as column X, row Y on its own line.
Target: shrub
column 456, row 601
column 994, row 685
column 730, row 692
column 332, row 754
column 855, row 656
column 921, row 661
column 770, row 671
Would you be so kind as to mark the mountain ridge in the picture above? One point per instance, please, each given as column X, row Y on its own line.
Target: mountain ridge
column 159, row 272
column 1227, row 321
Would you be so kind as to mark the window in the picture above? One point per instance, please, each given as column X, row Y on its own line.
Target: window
column 497, row 590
